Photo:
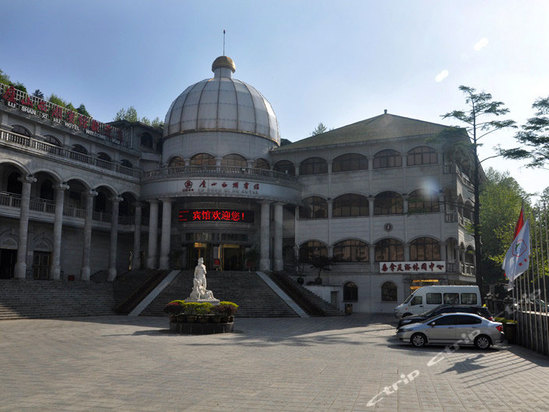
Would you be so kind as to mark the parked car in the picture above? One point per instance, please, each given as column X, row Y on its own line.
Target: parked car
column 453, row 328
column 478, row 310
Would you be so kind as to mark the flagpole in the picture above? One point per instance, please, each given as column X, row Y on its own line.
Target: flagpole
column 545, row 227
column 534, row 276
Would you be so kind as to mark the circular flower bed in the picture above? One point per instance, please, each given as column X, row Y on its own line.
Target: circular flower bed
column 201, row 317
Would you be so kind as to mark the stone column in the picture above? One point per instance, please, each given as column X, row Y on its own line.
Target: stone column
column 85, row 273
column 136, row 261
column 21, row 265
column 278, row 228
column 166, row 233
column 114, row 238
column 57, row 231
column 264, row 260
column 153, row 234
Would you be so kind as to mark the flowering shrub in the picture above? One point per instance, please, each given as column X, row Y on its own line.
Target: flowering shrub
column 226, row 308
column 175, row 307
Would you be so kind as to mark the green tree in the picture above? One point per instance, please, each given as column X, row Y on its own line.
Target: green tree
column 38, row 93
column 56, row 100
column 129, row 114
column 501, row 198
column 157, row 122
column 534, row 135
column 82, row 110
column 20, row 86
column 479, row 117
column 4, row 78
column 319, row 129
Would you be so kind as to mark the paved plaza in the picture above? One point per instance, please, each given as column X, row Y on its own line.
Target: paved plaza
column 315, row 364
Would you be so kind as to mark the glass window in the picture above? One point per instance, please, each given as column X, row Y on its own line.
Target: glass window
column 313, row 207
column 52, row 140
column 21, row 130
column 126, row 163
column 388, row 203
column 433, row 298
column 447, row 320
column 350, row 205
column 234, row 160
column 176, row 162
column 468, row 298
column 286, row 167
column 451, row 298
column 146, row 140
column 424, row 248
column 350, row 292
column 467, row 320
column 417, row 300
column 351, row 251
column 386, row 159
column 203, row 159
column 389, row 292
column 422, row 155
column 348, row 162
column 262, row 164
column 313, row 166
column 389, row 250
column 311, row 249
column 420, row 202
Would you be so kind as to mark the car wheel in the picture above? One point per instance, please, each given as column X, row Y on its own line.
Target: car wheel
column 406, row 314
column 418, row 340
column 483, row 342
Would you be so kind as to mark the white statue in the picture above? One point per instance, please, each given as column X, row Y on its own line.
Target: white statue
column 200, row 290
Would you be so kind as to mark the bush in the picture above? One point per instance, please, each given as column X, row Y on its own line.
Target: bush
column 175, row 307
column 226, row 308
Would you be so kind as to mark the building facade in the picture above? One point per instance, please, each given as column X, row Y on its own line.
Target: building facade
column 385, row 202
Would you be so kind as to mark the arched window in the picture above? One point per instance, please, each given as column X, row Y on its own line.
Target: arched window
column 17, row 128
column 46, row 190
column 313, row 207
column 349, row 161
column 147, row 140
column 312, row 249
column 424, row 248
column 14, row 185
column 79, row 149
column 388, row 292
column 285, row 166
column 350, row 205
column 470, row 256
column 350, row 292
column 126, row 163
column 313, row 166
column 421, row 202
column 261, row 164
column 234, row 160
column 351, row 251
column 79, row 152
column 104, row 160
column 51, row 140
column 389, row 250
column 388, row 203
column 387, row 158
column 422, row 155
column 176, row 162
column 203, row 159
column 100, row 204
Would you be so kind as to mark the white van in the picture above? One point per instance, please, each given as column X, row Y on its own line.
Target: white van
column 429, row 297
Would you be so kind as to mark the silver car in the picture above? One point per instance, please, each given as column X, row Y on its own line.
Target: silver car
column 453, row 328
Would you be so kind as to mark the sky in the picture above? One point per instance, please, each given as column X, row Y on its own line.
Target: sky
column 315, row 61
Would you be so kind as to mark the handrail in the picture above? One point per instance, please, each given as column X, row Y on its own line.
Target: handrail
column 59, row 151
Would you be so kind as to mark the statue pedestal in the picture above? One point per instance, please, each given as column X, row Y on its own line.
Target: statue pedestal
column 212, row 301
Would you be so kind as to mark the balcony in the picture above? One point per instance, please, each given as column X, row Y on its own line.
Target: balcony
column 55, row 152
column 13, row 201
column 229, row 172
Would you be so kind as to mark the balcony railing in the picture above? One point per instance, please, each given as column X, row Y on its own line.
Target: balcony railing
column 215, row 171
column 13, row 200
column 58, row 151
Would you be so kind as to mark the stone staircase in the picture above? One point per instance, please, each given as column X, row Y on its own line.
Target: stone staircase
column 54, row 299
column 254, row 297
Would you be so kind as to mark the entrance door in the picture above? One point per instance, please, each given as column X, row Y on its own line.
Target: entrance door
column 41, row 265
column 233, row 257
column 8, row 258
column 199, row 250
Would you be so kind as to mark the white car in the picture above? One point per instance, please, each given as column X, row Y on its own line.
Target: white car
column 453, row 328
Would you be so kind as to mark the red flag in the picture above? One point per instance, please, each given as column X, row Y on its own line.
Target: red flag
column 520, row 223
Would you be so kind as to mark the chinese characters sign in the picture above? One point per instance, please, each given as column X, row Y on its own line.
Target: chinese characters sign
column 431, row 266
column 221, row 186
column 45, row 110
column 216, row 215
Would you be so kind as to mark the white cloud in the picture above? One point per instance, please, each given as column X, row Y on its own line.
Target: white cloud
column 441, row 76
column 481, row 44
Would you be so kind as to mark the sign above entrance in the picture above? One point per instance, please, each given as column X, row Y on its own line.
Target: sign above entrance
column 431, row 266
column 216, row 215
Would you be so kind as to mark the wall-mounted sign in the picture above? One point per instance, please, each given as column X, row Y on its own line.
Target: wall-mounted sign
column 38, row 107
column 221, row 186
column 431, row 266
column 216, row 215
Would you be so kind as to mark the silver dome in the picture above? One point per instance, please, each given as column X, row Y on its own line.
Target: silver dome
column 222, row 104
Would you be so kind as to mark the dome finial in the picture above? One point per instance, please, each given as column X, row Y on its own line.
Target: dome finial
column 221, row 64
column 223, row 42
